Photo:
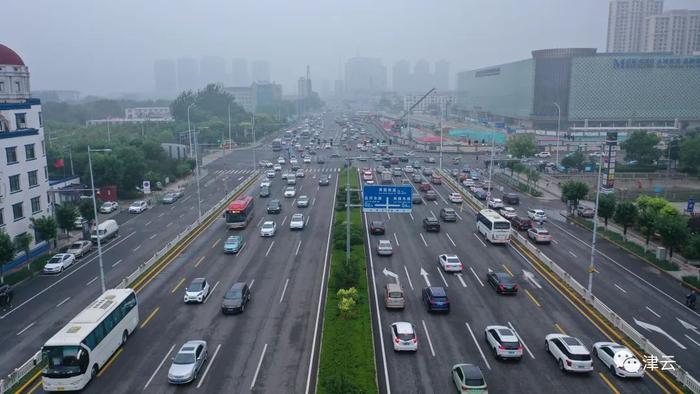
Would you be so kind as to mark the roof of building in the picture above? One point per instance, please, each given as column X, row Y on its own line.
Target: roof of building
column 10, row 57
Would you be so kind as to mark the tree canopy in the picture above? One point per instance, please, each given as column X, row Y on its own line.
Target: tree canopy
column 689, row 155
column 522, row 145
column 606, row 207
column 575, row 160
column 573, row 191
column 641, row 146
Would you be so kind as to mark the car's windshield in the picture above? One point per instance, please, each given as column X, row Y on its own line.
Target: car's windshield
column 233, row 294
column 184, row 358
column 55, row 260
column 195, row 286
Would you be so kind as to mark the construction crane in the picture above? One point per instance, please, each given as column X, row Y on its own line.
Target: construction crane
column 398, row 125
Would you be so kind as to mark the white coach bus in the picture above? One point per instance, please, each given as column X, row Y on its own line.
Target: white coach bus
column 493, row 226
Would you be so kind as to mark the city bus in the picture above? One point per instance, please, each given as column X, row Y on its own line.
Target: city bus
column 493, row 226
column 277, row 144
column 239, row 212
column 76, row 353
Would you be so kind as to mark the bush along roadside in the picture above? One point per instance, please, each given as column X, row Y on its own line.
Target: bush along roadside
column 346, row 362
column 518, row 185
column 33, row 268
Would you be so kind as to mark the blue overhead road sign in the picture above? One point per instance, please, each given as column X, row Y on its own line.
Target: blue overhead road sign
column 390, row 198
column 691, row 205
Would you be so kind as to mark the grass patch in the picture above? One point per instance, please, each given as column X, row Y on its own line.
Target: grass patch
column 692, row 280
column 631, row 247
column 27, row 272
column 518, row 185
column 346, row 362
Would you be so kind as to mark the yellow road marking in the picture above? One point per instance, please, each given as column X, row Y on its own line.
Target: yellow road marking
column 507, row 270
column 561, row 330
column 199, row 262
column 216, row 243
column 150, row 317
column 177, row 285
column 110, row 361
column 30, row 381
column 532, row 298
column 609, row 383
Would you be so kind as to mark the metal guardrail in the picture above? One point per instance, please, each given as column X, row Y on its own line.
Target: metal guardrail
column 19, row 373
column 681, row 375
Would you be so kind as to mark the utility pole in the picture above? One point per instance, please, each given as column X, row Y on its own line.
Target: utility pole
column 558, row 131
column 230, row 141
column 591, row 265
column 253, row 130
column 347, row 213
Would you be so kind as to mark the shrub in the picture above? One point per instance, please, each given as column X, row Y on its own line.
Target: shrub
column 346, row 275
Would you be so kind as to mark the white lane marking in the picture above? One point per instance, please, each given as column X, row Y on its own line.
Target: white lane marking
column 250, row 286
column 284, row 290
column 620, row 288
column 477, row 346
column 459, row 276
column 421, row 237
column 153, row 236
column 521, row 340
column 284, row 220
column 211, row 292
column 91, row 281
column 269, row 248
column 209, row 364
column 160, row 215
column 313, row 202
column 136, row 248
column 408, row 276
column 460, row 218
column 432, row 213
column 116, row 263
column 476, row 276
column 555, row 242
column 427, row 335
column 181, row 215
column 260, row 222
column 396, row 239
column 257, row 370
column 651, row 327
column 240, row 178
column 442, row 276
column 450, row 238
column 531, row 277
column 411, row 215
column 185, row 199
column 477, row 237
column 26, row 328
column 572, row 253
column 63, row 302
column 654, row 313
column 159, row 366
column 436, row 203
column 148, row 222
column 307, row 220
column 424, row 274
column 169, row 224
column 298, row 246
column 692, row 340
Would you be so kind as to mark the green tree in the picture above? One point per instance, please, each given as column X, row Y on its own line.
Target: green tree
column 646, row 223
column 522, row 145
column 7, row 252
column 575, row 160
column 673, row 231
column 573, row 191
column 691, row 249
column 86, row 209
column 606, row 207
column 688, row 158
column 46, row 228
column 641, row 146
column 22, row 242
column 65, row 217
column 653, row 203
column 625, row 215
column 533, row 176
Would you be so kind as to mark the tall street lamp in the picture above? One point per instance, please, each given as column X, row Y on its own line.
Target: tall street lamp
column 97, row 221
column 558, row 130
column 230, row 141
column 591, row 265
column 189, row 128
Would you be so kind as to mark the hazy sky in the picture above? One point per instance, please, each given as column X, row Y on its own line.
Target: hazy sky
column 98, row 46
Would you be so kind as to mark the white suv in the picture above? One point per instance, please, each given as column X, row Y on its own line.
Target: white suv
column 138, row 206
column 504, row 342
column 450, row 263
column 297, row 222
column 570, row 353
column 537, row 215
column 495, row 203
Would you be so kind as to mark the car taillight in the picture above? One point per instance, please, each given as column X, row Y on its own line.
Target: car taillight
column 415, row 340
column 501, row 347
column 515, row 286
column 568, row 363
column 461, row 266
column 396, row 340
column 500, row 287
column 520, row 347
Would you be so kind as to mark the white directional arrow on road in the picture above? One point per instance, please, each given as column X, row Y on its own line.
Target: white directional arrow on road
column 688, row 326
column 531, row 277
column 393, row 275
column 425, row 276
column 651, row 327
column 459, row 276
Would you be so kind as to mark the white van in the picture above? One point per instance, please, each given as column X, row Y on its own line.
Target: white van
column 106, row 230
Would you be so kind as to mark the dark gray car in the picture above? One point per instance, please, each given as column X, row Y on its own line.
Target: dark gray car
column 236, row 298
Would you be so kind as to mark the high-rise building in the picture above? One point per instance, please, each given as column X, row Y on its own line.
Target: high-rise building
column 442, row 75
column 24, row 179
column 627, row 23
column 260, row 70
column 422, row 78
column 212, row 69
column 304, row 88
column 239, row 73
column 676, row 31
column 187, row 74
column 165, row 78
column 243, row 96
column 339, row 88
column 401, row 77
column 364, row 75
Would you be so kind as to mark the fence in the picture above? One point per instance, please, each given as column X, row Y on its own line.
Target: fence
column 19, row 373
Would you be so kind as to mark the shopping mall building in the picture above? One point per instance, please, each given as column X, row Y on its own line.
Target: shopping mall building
column 589, row 90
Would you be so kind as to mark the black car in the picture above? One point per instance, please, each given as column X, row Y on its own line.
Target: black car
column 274, row 206
column 502, row 282
column 431, row 224
column 323, row 180
column 236, row 298
column 521, row 224
column 511, row 198
column 264, row 192
column 403, row 159
column 376, row 227
column 435, row 299
column 320, row 160
column 417, row 199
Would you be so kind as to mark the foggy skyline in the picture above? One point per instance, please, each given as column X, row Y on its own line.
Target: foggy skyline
column 104, row 48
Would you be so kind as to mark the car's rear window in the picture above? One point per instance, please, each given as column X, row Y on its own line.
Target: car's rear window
column 405, row 337
column 474, row 382
column 395, row 294
column 580, row 357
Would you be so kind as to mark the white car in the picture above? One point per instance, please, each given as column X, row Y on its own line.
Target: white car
column 197, row 291
column 290, row 192
column 293, row 161
column 307, row 159
column 265, row 183
column 468, row 182
column 539, row 235
column 270, row 173
column 138, row 206
column 537, row 215
column 302, row 202
column 109, row 207
column 508, row 212
column 277, row 167
column 297, row 222
column 268, row 164
column 281, row 161
column 299, row 173
column 384, row 248
column 80, row 248
column 503, row 342
column 619, row 359
column 268, row 229
column 450, row 263
column 58, row 263
column 495, row 203
column 403, row 336
column 570, row 353
column 408, row 170
column 543, row 155
column 455, row 198
column 468, row 379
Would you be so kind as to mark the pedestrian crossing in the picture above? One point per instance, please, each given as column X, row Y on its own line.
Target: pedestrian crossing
column 307, row 170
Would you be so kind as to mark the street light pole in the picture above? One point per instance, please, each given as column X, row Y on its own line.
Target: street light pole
column 189, row 127
column 97, row 221
column 196, row 172
column 591, row 265
column 253, row 131
column 493, row 152
column 230, row 141
column 558, row 130
column 441, row 115
column 347, row 214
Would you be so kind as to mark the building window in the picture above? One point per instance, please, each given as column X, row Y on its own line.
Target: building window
column 46, row 173
column 36, row 204
column 21, row 120
column 18, row 86
column 43, row 148
column 11, row 154
column 15, row 185
column 41, row 120
column 2, row 217
column 2, row 86
column 29, row 151
column 18, row 211
column 33, row 178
